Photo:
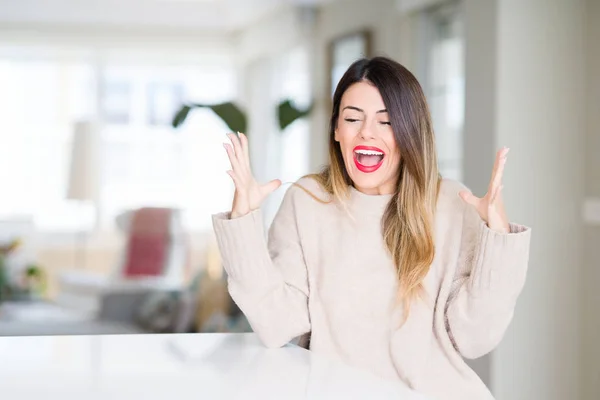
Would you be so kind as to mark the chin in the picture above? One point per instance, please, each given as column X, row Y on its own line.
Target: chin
column 371, row 182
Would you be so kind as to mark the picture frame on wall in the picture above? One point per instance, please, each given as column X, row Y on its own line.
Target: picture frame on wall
column 342, row 51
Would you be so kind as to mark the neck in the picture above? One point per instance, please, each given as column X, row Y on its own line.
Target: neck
column 386, row 189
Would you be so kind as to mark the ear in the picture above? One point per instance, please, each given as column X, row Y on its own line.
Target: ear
column 335, row 135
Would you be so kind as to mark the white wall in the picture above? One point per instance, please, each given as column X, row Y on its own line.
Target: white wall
column 273, row 34
column 525, row 90
column 480, row 112
column 591, row 277
column 540, row 107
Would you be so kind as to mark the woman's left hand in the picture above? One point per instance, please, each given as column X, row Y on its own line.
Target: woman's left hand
column 491, row 207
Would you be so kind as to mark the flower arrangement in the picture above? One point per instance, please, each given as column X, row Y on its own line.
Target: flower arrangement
column 5, row 251
column 9, row 248
column 31, row 281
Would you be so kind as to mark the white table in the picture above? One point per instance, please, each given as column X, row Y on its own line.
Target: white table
column 185, row 366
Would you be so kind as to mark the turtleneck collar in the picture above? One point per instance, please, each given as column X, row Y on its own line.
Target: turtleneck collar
column 366, row 204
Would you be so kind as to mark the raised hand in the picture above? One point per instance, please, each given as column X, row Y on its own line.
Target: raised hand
column 249, row 194
column 491, row 207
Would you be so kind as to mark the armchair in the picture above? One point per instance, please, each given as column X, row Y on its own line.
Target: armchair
column 155, row 257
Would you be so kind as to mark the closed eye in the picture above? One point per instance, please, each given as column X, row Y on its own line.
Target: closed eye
column 351, row 120
column 385, row 123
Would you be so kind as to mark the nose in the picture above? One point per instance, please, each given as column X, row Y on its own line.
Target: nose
column 366, row 133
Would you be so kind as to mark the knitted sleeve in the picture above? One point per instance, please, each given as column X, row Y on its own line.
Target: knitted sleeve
column 489, row 278
column 267, row 278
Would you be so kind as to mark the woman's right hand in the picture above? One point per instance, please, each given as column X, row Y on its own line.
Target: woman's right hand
column 249, row 194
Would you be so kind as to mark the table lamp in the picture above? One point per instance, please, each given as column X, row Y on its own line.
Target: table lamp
column 84, row 174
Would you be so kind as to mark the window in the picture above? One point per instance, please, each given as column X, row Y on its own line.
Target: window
column 295, row 86
column 37, row 102
column 144, row 162
column 443, row 79
column 290, row 159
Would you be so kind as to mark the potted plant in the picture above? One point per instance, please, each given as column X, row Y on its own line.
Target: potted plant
column 5, row 251
column 235, row 118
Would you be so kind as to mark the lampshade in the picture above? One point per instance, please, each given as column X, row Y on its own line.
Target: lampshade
column 85, row 158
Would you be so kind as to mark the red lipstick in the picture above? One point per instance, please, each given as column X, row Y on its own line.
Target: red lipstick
column 369, row 149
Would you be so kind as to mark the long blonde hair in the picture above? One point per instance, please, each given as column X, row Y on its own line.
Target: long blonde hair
column 408, row 221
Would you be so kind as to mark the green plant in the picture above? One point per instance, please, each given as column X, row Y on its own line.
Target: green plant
column 231, row 114
column 236, row 119
column 288, row 113
column 3, row 279
column 34, row 280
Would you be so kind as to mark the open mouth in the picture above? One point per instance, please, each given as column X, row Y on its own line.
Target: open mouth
column 368, row 159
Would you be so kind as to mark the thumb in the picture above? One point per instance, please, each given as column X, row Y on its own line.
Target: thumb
column 469, row 197
column 270, row 187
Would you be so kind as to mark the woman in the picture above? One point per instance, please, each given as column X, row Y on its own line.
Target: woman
column 386, row 265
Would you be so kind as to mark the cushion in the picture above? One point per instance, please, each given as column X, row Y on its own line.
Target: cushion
column 148, row 243
column 146, row 256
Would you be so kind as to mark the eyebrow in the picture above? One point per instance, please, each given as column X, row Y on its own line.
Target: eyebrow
column 362, row 111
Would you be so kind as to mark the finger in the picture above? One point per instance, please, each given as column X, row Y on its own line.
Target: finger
column 245, row 148
column 499, row 175
column 237, row 147
column 496, row 194
column 469, row 198
column 232, row 158
column 498, row 170
column 494, row 170
column 270, row 187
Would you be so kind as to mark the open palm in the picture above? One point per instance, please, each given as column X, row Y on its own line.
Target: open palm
column 249, row 194
column 491, row 206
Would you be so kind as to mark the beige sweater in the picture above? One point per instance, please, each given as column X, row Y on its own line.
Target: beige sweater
column 326, row 273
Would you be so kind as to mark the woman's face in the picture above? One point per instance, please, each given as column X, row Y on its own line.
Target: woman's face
column 367, row 141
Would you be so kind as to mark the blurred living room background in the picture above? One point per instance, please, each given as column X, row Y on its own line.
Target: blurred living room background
column 105, row 212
